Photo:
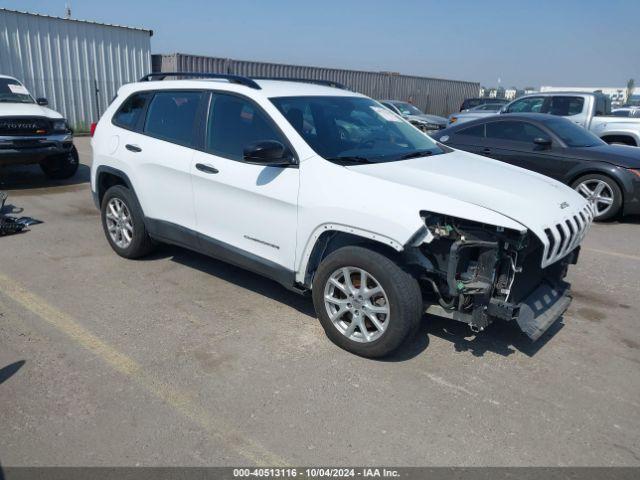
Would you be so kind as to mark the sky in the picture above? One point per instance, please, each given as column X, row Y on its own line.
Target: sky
column 521, row 42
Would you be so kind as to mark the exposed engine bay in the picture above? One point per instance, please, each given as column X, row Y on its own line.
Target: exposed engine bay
column 476, row 273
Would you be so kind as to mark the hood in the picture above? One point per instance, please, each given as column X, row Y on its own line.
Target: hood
column 427, row 118
column 531, row 199
column 620, row 155
column 26, row 110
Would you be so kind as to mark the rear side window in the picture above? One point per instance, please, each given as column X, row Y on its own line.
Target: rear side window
column 477, row 131
column 235, row 123
column 172, row 116
column 566, row 106
column 130, row 111
column 514, row 131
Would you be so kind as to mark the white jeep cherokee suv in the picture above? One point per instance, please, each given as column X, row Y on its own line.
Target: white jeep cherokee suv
column 31, row 133
column 326, row 191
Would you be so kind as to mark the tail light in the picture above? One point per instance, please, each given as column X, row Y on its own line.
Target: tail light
column 92, row 129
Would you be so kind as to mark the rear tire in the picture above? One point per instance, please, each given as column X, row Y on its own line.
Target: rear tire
column 123, row 223
column 61, row 167
column 398, row 294
column 599, row 189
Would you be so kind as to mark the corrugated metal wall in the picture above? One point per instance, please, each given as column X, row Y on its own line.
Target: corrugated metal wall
column 63, row 60
column 433, row 95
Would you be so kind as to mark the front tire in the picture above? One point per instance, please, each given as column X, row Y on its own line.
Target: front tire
column 61, row 167
column 366, row 303
column 123, row 223
column 603, row 193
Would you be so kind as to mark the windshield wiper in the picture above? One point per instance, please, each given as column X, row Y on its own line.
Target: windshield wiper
column 351, row 159
column 416, row 154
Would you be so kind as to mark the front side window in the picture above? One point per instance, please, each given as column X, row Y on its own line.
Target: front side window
column 235, row 123
column 566, row 106
column 129, row 113
column 531, row 104
column 172, row 116
column 354, row 129
column 514, row 131
column 12, row 91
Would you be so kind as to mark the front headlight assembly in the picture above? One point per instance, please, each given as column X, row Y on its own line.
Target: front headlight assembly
column 60, row 126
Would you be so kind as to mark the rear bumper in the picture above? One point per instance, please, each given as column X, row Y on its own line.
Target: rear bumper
column 33, row 149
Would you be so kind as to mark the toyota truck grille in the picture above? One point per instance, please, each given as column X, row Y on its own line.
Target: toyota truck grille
column 566, row 235
column 18, row 126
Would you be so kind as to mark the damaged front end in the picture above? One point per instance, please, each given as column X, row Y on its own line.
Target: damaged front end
column 477, row 273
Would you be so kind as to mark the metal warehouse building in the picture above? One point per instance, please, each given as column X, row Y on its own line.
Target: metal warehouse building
column 77, row 65
column 432, row 95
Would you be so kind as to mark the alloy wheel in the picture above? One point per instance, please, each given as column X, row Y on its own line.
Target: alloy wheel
column 357, row 304
column 599, row 193
column 119, row 223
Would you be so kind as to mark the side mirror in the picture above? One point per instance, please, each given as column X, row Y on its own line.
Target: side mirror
column 268, row 153
column 542, row 141
column 43, row 102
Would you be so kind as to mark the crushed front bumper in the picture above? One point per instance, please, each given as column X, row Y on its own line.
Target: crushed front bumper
column 538, row 311
column 25, row 150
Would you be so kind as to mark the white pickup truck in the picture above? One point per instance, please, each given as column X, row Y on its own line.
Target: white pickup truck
column 589, row 110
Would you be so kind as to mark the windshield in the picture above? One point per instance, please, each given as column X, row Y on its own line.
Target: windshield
column 354, row 129
column 12, row 92
column 573, row 135
column 407, row 108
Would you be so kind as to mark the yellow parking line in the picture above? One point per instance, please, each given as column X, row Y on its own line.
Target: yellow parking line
column 613, row 254
column 169, row 394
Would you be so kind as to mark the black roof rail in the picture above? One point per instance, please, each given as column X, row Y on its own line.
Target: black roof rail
column 239, row 79
column 327, row 83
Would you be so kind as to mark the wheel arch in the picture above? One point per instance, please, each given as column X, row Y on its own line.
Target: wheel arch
column 621, row 137
column 329, row 238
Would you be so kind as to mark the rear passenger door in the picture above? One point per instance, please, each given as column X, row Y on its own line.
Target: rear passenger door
column 246, row 213
column 161, row 156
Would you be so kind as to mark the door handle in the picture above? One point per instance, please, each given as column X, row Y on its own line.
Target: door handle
column 133, row 148
column 206, row 168
column 486, row 151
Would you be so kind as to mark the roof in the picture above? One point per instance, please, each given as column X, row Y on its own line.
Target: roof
column 9, row 77
column 268, row 88
column 534, row 117
column 149, row 31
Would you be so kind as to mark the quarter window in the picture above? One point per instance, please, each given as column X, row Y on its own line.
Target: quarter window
column 172, row 116
column 514, row 131
column 477, row 131
column 234, row 123
column 129, row 113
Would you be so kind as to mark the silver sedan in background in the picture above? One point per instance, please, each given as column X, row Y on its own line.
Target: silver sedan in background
column 474, row 113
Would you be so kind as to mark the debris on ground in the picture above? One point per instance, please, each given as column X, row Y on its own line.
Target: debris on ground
column 10, row 224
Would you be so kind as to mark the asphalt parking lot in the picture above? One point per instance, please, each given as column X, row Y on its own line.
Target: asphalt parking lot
column 183, row 360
